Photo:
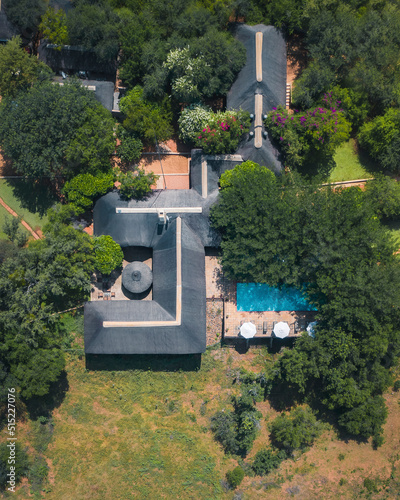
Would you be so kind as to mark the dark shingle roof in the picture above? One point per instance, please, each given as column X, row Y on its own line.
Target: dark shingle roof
column 189, row 337
column 272, row 87
column 141, row 229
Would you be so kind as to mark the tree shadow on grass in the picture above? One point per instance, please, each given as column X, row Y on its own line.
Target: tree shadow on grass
column 153, row 362
column 283, row 398
column 44, row 405
column 331, row 417
column 370, row 165
column 35, row 196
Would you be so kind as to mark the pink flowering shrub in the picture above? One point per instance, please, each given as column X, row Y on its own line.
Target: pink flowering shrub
column 309, row 136
column 223, row 132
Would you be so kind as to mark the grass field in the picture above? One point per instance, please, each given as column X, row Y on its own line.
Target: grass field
column 350, row 165
column 141, row 434
column 27, row 199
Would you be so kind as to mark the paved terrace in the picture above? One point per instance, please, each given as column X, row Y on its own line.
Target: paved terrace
column 217, row 287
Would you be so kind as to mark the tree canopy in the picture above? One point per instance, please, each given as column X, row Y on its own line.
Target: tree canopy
column 146, row 119
column 53, row 129
column 18, row 70
column 49, row 275
column 330, row 244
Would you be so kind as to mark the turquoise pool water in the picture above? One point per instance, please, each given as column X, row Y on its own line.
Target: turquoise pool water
column 260, row 297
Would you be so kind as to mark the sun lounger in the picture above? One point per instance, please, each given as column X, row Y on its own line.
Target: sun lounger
column 265, row 328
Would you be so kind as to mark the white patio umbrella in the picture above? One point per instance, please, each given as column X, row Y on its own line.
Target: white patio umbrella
column 311, row 328
column 281, row 330
column 248, row 330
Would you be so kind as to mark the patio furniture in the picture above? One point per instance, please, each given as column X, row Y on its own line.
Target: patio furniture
column 113, row 295
column 281, row 330
column 248, row 330
column 100, row 295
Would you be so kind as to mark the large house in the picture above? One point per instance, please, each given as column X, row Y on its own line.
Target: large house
column 174, row 226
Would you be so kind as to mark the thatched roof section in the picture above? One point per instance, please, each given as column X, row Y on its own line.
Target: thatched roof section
column 272, row 86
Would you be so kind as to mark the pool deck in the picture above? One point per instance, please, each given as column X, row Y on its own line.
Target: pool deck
column 219, row 288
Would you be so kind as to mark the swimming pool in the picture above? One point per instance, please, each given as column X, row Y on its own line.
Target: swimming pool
column 261, row 297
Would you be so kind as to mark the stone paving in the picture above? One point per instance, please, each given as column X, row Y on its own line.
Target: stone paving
column 220, row 295
column 219, row 287
column 105, row 288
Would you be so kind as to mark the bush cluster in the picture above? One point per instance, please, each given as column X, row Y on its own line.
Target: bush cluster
column 137, row 184
column 82, row 190
column 236, row 430
column 222, row 133
column 296, row 430
column 310, row 136
column 108, row 254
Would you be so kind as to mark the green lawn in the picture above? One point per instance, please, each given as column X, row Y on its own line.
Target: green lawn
column 28, row 199
column 350, row 165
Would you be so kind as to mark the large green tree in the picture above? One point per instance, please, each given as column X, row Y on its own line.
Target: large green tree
column 53, row 129
column 250, row 213
column 25, row 14
column 50, row 275
column 19, row 70
column 330, row 243
column 148, row 120
column 94, row 25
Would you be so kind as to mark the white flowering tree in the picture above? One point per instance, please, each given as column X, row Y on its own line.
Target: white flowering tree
column 186, row 73
column 192, row 120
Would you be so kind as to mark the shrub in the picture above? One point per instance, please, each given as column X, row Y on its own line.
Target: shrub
column 311, row 136
column 381, row 138
column 366, row 419
column 296, row 430
column 235, row 477
column 145, row 118
column 377, row 440
column 223, row 132
column 82, row 190
column 108, row 254
column 267, row 460
column 383, row 193
column 396, row 385
column 130, row 149
column 223, row 425
column 237, row 430
column 136, row 184
column 370, row 485
column 193, row 119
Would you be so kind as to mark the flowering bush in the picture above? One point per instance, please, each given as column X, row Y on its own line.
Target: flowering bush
column 193, row 119
column 223, row 132
column 309, row 136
